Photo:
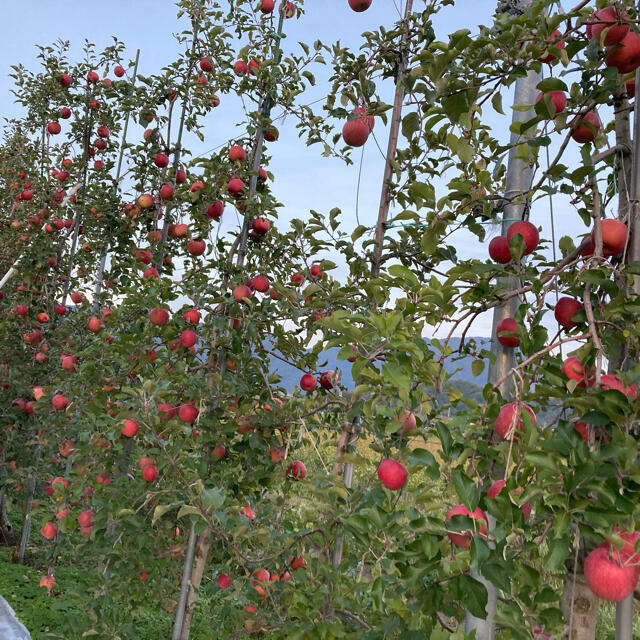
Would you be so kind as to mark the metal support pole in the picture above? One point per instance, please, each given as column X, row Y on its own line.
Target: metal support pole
column 624, row 609
column 518, row 181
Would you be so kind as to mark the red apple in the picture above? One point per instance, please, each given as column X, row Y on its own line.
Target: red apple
column 625, row 56
column 585, row 127
column 528, row 231
column 92, row 77
column 266, row 6
column 206, row 64
column 103, row 131
column 130, row 428
column 408, row 422
column 359, row 5
column 144, row 462
column 509, row 420
column 66, row 80
column 260, row 283
column 297, row 470
column 85, row 519
column 161, row 160
column 167, row 191
column 507, row 324
column 612, row 381
column 240, row 67
column 54, row 128
column 613, row 20
column 607, row 578
column 565, row 309
column 327, row 379
column 118, row 71
column 241, row 292
column 355, row 132
column 159, row 317
column 49, row 531
column 499, row 250
column 192, row 316
column 614, row 236
column 235, row 187
column 219, row 451
column 188, row 338
column 463, row 538
column 392, row 474
column 308, row 382
column 558, row 99
column 224, row 581
column 150, row 472
column 260, row 226
column 145, row 201
column 65, row 113
column 59, row 402
column 214, row 211
column 555, row 41
column 237, row 154
column 188, row 413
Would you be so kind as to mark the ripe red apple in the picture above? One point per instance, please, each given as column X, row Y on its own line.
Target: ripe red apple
column 188, row 413
column 167, row 191
column 240, row 67
column 392, row 474
column 297, row 279
column 241, row 292
column 271, row 133
column 260, row 226
column 573, row 369
column 308, row 382
column 42, row 317
column 188, row 338
column 315, row 271
column 628, row 555
column 613, row 20
column 85, row 519
column 150, row 472
column 118, row 71
column 355, row 132
column 214, row 211
column 130, row 428
column 298, row 563
column 103, row 131
column 528, row 231
column 219, row 451
column 69, row 363
column 582, row 132
column 266, row 6
column 145, row 201
column 66, row 80
column 582, row 429
column 224, row 581
column 54, row 128
column 235, row 187
column 151, row 272
column 237, row 154
column 359, row 5
column 507, row 324
column 625, row 56
column 499, row 250
column 92, row 77
column 260, row 283
column 159, row 317
column 76, row 297
column 192, row 316
column 94, row 325
column 509, row 420
column 463, row 538
column 607, row 578
column 65, row 113
column 555, row 42
column 59, row 402
column 327, row 379
column 49, row 531
column 612, row 381
column 614, row 236
column 297, row 470
column 144, row 461
column 206, row 64
column 558, row 99
column 565, row 309
column 408, row 422
column 196, row 247
column 161, row 160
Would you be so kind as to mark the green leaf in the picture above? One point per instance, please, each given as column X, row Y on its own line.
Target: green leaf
column 188, row 510
column 477, row 367
column 466, row 489
column 496, row 101
column 471, row 593
column 161, row 509
column 410, row 124
column 213, row 498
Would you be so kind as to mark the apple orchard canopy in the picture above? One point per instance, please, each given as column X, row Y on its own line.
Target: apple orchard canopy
column 10, row 627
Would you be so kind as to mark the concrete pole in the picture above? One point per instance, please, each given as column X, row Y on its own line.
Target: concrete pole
column 519, row 177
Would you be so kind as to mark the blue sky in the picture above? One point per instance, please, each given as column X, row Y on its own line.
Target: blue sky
column 303, row 179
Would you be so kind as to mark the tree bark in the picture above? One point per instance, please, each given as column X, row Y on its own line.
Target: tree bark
column 199, row 565
column 580, row 608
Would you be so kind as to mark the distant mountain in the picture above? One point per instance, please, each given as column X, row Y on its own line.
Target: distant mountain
column 460, row 367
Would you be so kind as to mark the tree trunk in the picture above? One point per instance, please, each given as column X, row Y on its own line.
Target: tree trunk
column 199, row 565
column 580, row 608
